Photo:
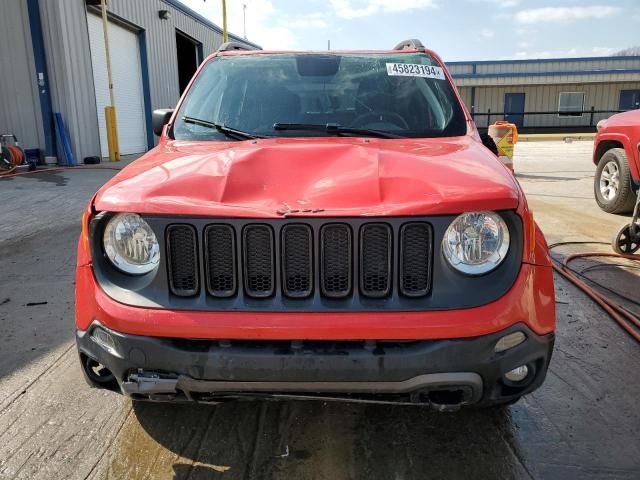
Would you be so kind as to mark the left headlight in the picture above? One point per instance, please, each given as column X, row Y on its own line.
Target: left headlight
column 476, row 242
column 130, row 244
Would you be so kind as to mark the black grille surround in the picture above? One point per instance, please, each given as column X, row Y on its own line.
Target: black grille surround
column 321, row 269
column 258, row 260
column 182, row 254
column 375, row 259
column 415, row 275
column 336, row 260
column 297, row 260
column 220, row 260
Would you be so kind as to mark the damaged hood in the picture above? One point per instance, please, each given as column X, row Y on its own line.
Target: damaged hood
column 319, row 176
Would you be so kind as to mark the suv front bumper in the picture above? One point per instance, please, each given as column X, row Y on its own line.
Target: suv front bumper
column 446, row 372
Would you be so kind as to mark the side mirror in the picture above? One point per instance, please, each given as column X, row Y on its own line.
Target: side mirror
column 160, row 118
column 488, row 142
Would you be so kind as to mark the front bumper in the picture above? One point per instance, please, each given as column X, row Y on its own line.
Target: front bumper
column 445, row 372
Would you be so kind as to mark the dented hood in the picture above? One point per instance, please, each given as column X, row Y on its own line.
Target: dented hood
column 321, row 177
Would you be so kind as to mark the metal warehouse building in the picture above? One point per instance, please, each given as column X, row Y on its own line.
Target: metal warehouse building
column 560, row 94
column 53, row 60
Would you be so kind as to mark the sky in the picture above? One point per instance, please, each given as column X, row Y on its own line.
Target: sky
column 456, row 30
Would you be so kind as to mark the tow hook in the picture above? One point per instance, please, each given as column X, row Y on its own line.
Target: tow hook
column 443, row 400
column 148, row 383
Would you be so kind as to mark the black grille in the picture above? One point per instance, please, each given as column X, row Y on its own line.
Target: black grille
column 220, row 260
column 415, row 259
column 258, row 261
column 305, row 262
column 375, row 260
column 336, row 263
column 183, row 263
column 297, row 261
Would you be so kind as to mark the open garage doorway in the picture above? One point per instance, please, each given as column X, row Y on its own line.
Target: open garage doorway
column 189, row 57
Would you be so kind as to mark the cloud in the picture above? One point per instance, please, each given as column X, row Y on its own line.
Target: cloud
column 358, row 8
column 603, row 51
column 487, row 33
column 304, row 22
column 571, row 52
column 267, row 26
column 564, row 14
column 499, row 3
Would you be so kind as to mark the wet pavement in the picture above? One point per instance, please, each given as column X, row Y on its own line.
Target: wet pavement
column 582, row 423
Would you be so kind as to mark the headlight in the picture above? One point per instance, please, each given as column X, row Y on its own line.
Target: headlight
column 476, row 242
column 130, row 244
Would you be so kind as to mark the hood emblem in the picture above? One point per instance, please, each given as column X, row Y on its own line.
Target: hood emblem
column 293, row 211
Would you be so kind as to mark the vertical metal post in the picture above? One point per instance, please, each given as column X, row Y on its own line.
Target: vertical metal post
column 591, row 116
column 488, row 117
column 244, row 19
column 328, row 44
column 110, row 111
column 225, row 37
column 473, row 103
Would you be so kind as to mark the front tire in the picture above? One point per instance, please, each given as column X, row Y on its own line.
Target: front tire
column 613, row 184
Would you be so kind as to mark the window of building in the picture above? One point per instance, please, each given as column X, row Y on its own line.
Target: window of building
column 571, row 104
column 629, row 99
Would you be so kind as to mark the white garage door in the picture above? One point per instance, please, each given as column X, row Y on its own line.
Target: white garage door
column 127, row 85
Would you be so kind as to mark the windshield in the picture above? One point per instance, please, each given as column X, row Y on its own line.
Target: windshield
column 403, row 95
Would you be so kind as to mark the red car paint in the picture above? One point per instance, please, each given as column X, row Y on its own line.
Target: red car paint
column 338, row 176
column 621, row 130
column 320, row 177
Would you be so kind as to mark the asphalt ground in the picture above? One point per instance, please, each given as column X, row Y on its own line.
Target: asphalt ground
column 582, row 423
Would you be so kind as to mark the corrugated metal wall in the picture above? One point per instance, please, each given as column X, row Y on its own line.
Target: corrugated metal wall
column 20, row 112
column 539, row 98
column 69, row 58
column 629, row 76
column 161, row 43
column 536, row 66
column 64, row 25
column 465, row 93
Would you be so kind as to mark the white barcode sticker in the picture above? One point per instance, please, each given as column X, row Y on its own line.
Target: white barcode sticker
column 414, row 70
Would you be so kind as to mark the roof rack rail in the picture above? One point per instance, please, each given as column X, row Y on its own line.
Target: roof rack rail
column 410, row 44
column 228, row 46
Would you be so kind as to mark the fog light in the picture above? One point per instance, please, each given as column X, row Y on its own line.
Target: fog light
column 517, row 374
column 509, row 341
column 105, row 340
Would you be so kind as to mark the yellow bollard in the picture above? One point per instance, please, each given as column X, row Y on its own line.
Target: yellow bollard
column 112, row 134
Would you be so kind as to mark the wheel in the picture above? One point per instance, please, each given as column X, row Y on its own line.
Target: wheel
column 612, row 183
column 624, row 242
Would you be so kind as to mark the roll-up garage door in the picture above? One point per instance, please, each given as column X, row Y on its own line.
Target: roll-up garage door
column 127, row 85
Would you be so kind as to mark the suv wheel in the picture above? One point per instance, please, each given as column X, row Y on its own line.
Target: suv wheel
column 612, row 183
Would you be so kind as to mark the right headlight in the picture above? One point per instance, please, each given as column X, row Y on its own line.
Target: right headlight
column 130, row 244
column 476, row 242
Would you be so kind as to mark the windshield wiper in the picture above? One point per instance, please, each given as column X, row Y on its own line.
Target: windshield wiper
column 335, row 129
column 228, row 131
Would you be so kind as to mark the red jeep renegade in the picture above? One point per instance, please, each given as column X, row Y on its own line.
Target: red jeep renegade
column 316, row 225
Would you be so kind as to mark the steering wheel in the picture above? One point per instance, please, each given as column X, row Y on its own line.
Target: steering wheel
column 371, row 117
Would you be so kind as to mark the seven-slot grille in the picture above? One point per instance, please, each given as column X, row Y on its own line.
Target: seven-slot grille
column 333, row 260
